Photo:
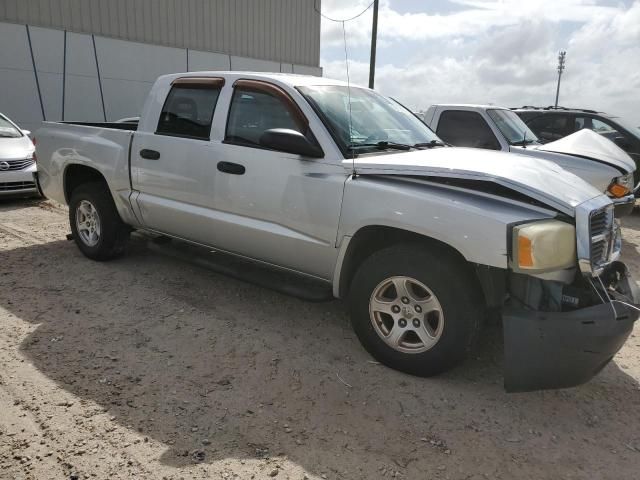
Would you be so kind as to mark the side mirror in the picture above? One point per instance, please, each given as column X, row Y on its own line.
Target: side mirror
column 290, row 141
column 27, row 132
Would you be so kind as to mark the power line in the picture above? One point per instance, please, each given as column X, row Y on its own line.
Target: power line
column 338, row 20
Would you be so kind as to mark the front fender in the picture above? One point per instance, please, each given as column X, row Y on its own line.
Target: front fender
column 473, row 223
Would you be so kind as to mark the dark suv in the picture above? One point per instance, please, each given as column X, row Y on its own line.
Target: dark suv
column 552, row 123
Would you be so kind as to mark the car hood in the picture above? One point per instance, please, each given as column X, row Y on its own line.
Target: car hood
column 589, row 144
column 15, row 148
column 538, row 179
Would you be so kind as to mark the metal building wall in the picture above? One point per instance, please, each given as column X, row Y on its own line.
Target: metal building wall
column 285, row 31
column 51, row 74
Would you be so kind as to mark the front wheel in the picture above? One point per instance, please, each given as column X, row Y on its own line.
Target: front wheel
column 416, row 308
column 97, row 228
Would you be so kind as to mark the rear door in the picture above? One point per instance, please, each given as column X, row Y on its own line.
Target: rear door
column 174, row 167
column 277, row 207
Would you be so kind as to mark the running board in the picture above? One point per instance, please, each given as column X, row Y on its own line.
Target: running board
column 272, row 278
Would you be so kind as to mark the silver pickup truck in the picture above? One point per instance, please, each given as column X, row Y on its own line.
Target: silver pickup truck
column 342, row 186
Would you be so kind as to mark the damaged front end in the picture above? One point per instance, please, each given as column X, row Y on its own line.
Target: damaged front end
column 558, row 335
column 561, row 328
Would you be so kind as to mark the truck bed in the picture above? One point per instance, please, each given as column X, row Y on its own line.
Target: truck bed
column 131, row 126
column 100, row 146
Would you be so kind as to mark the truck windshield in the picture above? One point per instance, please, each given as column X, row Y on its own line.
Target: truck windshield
column 376, row 121
column 7, row 129
column 512, row 127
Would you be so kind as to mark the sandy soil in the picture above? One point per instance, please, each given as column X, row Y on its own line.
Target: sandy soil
column 150, row 368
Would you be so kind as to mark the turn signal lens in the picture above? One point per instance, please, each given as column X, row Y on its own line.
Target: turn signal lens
column 617, row 190
column 525, row 254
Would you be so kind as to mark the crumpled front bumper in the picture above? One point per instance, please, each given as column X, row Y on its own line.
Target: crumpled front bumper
column 545, row 350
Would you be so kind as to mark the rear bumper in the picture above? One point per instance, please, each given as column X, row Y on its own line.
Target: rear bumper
column 624, row 206
column 545, row 350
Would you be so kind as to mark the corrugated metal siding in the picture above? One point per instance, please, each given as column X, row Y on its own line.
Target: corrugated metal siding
column 280, row 30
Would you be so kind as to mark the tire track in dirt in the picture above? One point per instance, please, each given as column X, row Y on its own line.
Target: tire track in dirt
column 16, row 232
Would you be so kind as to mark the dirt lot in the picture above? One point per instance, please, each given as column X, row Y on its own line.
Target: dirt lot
column 150, row 368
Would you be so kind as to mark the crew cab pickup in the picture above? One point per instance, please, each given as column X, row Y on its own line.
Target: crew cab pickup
column 342, row 186
column 586, row 154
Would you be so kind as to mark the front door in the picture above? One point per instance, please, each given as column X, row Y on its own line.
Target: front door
column 465, row 128
column 274, row 206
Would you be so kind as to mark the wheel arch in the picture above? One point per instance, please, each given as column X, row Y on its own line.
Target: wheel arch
column 372, row 238
column 77, row 174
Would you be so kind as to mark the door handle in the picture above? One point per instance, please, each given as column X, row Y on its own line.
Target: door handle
column 232, row 168
column 149, row 154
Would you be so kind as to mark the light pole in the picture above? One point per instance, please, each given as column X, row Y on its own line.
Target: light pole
column 374, row 35
column 561, row 58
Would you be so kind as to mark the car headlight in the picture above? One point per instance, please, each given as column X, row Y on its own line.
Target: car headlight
column 543, row 246
column 621, row 186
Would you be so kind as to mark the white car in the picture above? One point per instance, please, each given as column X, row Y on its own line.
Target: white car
column 590, row 156
column 17, row 161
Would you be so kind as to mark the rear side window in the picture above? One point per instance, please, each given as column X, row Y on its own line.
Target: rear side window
column 188, row 111
column 466, row 129
column 252, row 112
column 552, row 127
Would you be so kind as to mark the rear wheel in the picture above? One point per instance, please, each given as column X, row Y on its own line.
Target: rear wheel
column 416, row 308
column 96, row 226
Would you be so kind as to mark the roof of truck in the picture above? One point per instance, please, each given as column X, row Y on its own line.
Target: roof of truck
column 469, row 105
column 290, row 79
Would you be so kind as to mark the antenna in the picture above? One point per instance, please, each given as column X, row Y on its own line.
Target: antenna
column 346, row 61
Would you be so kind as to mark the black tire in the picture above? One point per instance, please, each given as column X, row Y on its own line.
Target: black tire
column 114, row 233
column 448, row 277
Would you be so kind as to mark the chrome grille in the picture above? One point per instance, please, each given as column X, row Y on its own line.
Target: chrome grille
column 602, row 233
column 8, row 165
column 8, row 186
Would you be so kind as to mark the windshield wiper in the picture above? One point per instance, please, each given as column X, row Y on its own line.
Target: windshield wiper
column 431, row 144
column 523, row 143
column 383, row 145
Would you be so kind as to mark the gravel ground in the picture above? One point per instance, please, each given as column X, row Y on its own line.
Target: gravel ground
column 147, row 367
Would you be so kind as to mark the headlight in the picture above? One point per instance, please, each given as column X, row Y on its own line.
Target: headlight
column 621, row 186
column 543, row 246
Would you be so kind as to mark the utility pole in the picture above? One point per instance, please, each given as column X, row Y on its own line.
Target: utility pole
column 561, row 58
column 374, row 37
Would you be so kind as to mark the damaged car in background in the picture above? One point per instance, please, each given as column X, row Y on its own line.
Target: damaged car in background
column 343, row 188
column 590, row 156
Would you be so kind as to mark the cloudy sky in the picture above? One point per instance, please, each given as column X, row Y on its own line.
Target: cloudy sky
column 493, row 51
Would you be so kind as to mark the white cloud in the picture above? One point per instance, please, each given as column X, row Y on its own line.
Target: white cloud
column 478, row 18
column 503, row 53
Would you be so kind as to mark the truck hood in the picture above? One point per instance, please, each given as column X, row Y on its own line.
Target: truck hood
column 538, row 179
column 589, row 144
